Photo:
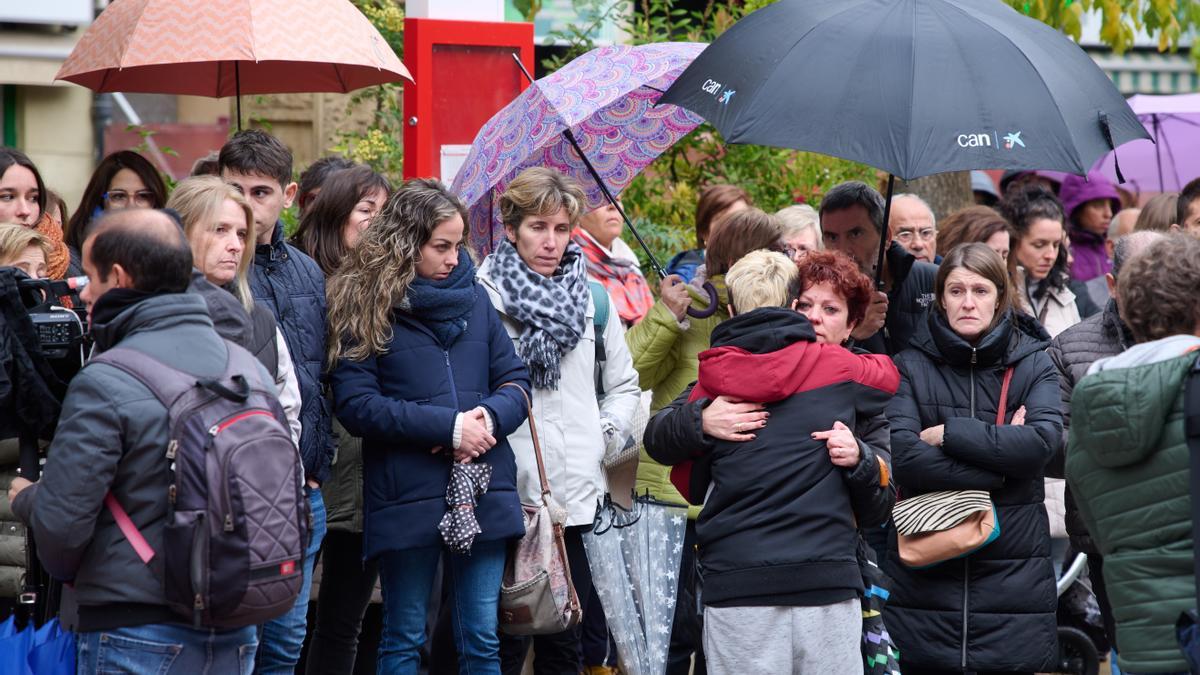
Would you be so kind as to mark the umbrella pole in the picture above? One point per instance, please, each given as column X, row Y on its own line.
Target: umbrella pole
column 237, row 91
column 883, row 238
column 1158, row 153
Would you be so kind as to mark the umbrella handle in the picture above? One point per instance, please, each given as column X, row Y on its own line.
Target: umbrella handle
column 713, row 303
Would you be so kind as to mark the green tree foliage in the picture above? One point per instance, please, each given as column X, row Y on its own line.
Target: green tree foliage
column 1165, row 20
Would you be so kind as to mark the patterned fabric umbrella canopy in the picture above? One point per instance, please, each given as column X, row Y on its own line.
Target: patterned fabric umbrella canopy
column 607, row 98
column 228, row 47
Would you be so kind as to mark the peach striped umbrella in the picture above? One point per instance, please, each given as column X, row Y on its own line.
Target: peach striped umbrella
column 229, row 47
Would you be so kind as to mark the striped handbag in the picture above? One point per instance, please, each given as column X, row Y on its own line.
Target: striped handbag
column 938, row 526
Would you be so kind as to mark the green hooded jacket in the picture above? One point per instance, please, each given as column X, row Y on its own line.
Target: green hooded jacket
column 1127, row 465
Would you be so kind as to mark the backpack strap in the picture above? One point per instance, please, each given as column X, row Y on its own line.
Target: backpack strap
column 1191, row 421
column 162, row 380
column 600, row 321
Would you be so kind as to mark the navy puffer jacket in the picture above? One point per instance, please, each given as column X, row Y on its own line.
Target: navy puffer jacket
column 292, row 285
column 993, row 610
column 404, row 403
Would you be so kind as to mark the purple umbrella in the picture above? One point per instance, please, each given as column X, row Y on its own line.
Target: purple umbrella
column 1169, row 161
column 606, row 99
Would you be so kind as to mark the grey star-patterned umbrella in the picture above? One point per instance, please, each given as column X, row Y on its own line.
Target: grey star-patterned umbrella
column 634, row 560
column 459, row 526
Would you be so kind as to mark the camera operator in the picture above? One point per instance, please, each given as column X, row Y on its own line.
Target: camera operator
column 26, row 250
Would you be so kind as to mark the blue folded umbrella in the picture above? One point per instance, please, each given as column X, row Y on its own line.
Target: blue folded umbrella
column 48, row 650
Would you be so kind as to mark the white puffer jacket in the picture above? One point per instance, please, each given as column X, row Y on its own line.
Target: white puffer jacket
column 569, row 419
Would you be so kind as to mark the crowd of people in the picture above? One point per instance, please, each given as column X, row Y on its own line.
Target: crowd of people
column 1032, row 348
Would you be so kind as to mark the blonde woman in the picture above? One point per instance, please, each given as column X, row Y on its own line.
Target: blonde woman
column 219, row 224
column 420, row 360
column 25, row 249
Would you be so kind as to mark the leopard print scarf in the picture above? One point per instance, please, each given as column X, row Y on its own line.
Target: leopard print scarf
column 553, row 310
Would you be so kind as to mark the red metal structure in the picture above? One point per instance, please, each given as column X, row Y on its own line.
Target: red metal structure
column 464, row 74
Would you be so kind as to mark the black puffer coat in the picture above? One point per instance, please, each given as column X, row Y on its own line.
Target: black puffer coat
column 995, row 609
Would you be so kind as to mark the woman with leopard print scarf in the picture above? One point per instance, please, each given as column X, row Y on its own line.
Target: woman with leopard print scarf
column 537, row 281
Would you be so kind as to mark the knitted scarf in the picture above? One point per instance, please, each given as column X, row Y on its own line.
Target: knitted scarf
column 553, row 310
column 60, row 257
column 625, row 284
column 444, row 306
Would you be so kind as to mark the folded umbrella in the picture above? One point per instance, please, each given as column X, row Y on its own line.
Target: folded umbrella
column 467, row 483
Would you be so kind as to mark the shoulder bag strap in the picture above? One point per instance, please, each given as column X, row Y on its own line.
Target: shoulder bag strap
column 537, row 445
column 1191, row 408
column 1008, row 373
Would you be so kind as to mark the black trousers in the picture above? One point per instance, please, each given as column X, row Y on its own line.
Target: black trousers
column 560, row 653
column 346, row 586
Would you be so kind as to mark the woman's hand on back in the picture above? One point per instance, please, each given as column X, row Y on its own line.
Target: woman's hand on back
column 843, row 447
column 729, row 419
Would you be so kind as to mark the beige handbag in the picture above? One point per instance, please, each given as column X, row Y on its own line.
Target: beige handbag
column 940, row 526
column 536, row 593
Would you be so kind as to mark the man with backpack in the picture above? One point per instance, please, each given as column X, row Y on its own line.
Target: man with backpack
column 153, row 500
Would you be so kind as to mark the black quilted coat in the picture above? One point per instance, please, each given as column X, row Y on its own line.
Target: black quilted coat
column 995, row 609
column 1073, row 351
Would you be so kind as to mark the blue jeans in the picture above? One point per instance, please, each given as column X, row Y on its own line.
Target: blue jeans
column 281, row 640
column 474, row 598
column 167, row 648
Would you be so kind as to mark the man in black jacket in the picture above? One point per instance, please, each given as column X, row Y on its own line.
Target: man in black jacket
column 1073, row 351
column 777, row 536
column 852, row 222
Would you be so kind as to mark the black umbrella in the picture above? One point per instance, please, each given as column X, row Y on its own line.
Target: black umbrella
column 912, row 87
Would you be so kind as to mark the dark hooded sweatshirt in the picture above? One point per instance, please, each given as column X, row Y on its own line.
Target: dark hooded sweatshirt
column 779, row 525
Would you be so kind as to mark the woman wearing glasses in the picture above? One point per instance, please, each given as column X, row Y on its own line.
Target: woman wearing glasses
column 123, row 180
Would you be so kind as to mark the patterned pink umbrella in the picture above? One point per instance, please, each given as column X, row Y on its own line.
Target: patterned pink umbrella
column 606, row 99
column 230, row 47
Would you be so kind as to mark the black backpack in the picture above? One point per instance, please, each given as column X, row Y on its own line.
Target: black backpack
column 237, row 519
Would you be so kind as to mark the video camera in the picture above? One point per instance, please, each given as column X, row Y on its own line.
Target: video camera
column 60, row 331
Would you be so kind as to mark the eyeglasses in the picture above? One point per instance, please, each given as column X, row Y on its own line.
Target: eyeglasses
column 925, row 233
column 120, row 199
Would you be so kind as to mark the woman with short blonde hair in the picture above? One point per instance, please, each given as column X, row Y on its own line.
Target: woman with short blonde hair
column 20, row 247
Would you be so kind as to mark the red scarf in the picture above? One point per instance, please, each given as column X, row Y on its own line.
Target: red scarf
column 625, row 284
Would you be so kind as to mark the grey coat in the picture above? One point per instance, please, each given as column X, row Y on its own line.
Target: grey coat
column 111, row 437
column 1073, row 351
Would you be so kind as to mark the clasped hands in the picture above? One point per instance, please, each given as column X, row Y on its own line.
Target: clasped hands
column 476, row 439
